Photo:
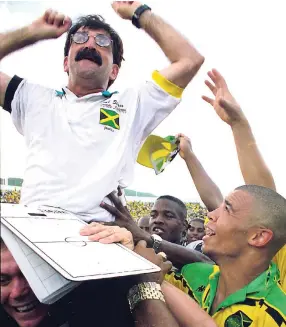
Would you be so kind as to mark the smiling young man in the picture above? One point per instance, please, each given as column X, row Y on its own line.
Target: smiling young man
column 168, row 219
column 242, row 237
column 83, row 140
column 196, row 230
column 17, row 298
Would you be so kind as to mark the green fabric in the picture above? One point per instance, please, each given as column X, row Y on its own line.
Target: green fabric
column 199, row 275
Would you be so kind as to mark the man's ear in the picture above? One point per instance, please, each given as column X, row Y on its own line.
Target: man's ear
column 260, row 237
column 66, row 68
column 114, row 72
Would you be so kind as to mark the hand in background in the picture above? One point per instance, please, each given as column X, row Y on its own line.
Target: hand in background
column 224, row 103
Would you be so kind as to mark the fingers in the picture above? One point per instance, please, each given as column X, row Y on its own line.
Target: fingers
column 98, row 232
column 119, row 191
column 114, row 211
column 163, row 255
column 59, row 20
column 211, row 87
column 47, row 14
column 217, row 78
column 212, row 76
column 180, row 135
column 114, row 199
column 208, row 100
column 52, row 17
column 122, row 236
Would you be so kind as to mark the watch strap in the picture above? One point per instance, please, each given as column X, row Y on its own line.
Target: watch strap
column 137, row 13
column 144, row 291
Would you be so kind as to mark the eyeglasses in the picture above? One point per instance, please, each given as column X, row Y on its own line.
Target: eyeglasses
column 100, row 39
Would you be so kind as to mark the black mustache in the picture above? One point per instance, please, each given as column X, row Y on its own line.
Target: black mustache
column 90, row 54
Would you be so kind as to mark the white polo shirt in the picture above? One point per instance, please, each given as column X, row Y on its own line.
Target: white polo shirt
column 81, row 149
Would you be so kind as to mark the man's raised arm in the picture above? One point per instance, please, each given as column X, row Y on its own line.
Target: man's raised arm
column 185, row 59
column 252, row 165
column 49, row 26
column 208, row 191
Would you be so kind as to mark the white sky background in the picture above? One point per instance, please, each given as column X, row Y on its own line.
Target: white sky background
column 244, row 40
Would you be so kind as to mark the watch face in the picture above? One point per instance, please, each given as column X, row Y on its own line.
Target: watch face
column 157, row 237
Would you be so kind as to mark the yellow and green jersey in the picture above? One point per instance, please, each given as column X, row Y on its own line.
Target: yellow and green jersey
column 280, row 260
column 262, row 303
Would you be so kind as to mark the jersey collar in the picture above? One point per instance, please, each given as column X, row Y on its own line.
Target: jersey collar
column 65, row 91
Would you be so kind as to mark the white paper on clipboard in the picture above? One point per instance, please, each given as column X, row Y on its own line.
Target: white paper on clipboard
column 47, row 284
column 54, row 235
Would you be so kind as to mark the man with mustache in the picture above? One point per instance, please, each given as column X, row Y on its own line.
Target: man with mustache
column 83, row 140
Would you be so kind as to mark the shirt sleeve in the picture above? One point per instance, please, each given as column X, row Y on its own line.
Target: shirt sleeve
column 22, row 99
column 157, row 99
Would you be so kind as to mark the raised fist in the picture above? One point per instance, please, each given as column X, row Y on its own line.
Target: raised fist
column 125, row 9
column 50, row 26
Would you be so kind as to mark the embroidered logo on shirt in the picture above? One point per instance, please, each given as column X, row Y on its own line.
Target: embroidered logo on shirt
column 114, row 104
column 201, row 288
column 109, row 118
column 238, row 319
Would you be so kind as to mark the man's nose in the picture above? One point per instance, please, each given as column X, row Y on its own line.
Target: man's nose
column 20, row 288
column 91, row 43
column 159, row 219
column 213, row 215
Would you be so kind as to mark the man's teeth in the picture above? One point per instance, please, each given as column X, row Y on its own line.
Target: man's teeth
column 209, row 232
column 26, row 308
column 158, row 230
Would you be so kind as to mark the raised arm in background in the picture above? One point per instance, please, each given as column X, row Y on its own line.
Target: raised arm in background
column 209, row 192
column 252, row 165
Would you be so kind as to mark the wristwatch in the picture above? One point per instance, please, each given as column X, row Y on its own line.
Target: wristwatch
column 144, row 291
column 137, row 13
column 157, row 240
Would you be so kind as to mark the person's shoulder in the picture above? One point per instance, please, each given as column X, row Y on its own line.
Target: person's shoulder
column 203, row 267
column 280, row 260
column 275, row 301
column 280, row 257
column 198, row 272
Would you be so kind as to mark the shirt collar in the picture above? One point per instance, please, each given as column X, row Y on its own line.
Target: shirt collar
column 259, row 287
column 67, row 93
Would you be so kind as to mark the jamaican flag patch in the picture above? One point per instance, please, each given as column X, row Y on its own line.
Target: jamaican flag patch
column 109, row 118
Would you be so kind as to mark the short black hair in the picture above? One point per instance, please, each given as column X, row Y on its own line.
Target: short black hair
column 176, row 200
column 96, row 22
column 196, row 219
